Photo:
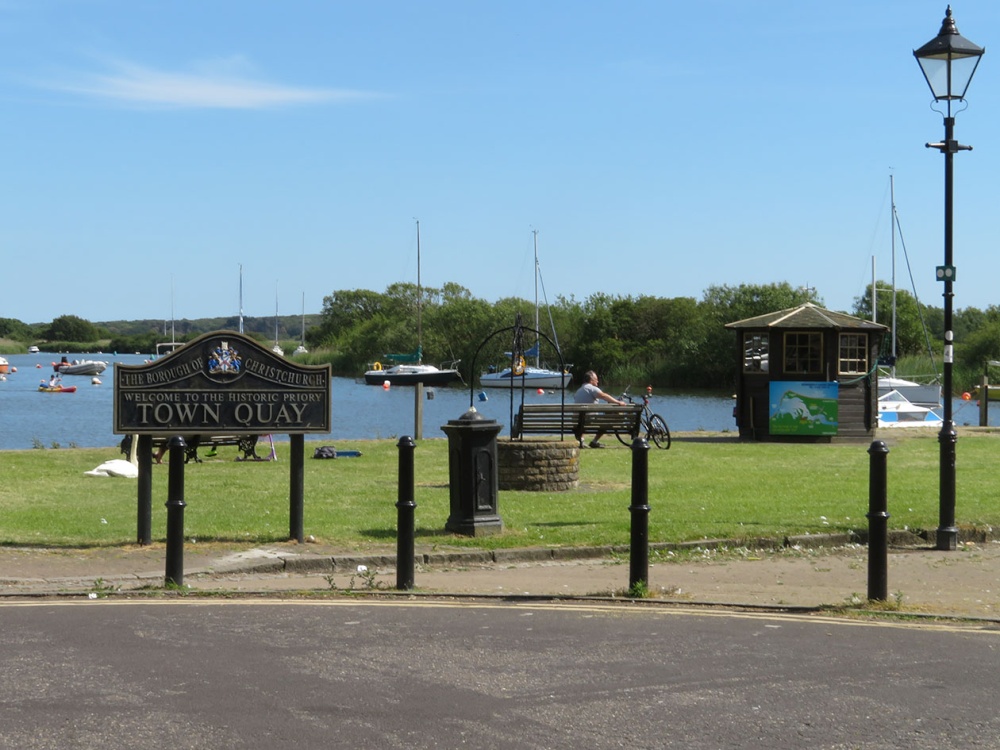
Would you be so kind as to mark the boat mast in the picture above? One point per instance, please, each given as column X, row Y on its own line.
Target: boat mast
column 241, row 298
column 172, row 339
column 892, row 202
column 874, row 295
column 420, row 332
column 538, row 354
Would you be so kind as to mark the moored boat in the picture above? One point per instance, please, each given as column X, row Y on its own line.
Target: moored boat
column 301, row 348
column 409, row 369
column 894, row 410
column 992, row 392
column 927, row 395
column 80, row 367
column 411, row 374
column 530, row 377
column 518, row 373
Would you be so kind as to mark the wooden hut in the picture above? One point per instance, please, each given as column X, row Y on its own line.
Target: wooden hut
column 807, row 374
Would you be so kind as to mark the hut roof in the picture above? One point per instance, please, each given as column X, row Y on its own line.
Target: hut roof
column 808, row 315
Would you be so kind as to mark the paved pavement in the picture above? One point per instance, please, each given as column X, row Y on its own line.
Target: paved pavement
column 804, row 573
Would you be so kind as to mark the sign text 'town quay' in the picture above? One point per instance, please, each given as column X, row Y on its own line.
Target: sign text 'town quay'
column 222, row 382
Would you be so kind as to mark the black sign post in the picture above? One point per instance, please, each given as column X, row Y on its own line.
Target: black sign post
column 223, row 383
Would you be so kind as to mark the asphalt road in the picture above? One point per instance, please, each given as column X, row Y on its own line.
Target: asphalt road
column 442, row 674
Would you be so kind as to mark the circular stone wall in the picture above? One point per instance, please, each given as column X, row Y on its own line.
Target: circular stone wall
column 538, row 465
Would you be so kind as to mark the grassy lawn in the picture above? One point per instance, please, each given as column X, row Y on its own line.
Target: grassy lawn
column 699, row 489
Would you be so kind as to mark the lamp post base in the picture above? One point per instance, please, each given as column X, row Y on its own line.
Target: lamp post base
column 947, row 539
column 947, row 531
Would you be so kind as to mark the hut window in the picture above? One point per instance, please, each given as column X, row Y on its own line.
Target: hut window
column 755, row 352
column 853, row 353
column 804, row 353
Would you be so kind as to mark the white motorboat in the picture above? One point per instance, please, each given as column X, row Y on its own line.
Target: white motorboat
column 927, row 395
column 33, row 349
column 89, row 367
column 894, row 410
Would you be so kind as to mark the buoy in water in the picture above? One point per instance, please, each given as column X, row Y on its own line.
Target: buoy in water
column 95, row 381
column 13, row 369
column 541, row 391
column 385, row 385
column 38, row 366
column 482, row 395
column 966, row 396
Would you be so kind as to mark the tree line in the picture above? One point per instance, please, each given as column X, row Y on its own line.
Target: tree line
column 666, row 342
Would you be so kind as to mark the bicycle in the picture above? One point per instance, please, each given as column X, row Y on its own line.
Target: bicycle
column 652, row 426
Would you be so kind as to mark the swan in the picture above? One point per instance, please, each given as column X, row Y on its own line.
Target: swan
column 118, row 467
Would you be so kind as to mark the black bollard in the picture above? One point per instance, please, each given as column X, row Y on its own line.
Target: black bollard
column 144, row 458
column 878, row 523
column 638, row 568
column 296, row 486
column 405, row 506
column 175, row 513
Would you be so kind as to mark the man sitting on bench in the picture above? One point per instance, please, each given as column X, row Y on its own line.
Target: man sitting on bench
column 589, row 393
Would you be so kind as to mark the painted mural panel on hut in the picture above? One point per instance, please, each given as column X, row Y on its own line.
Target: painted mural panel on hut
column 803, row 408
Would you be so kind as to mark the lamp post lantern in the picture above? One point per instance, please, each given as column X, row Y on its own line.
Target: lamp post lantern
column 948, row 62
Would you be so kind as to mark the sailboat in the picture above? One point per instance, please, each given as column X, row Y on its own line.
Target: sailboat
column 301, row 348
column 277, row 347
column 921, row 395
column 524, row 374
column 165, row 347
column 409, row 369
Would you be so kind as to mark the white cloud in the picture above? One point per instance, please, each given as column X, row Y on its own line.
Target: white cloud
column 217, row 85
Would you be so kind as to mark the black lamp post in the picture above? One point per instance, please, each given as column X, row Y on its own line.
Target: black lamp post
column 948, row 62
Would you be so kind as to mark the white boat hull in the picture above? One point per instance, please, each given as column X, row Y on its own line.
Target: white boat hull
column 411, row 375
column 895, row 411
column 532, row 378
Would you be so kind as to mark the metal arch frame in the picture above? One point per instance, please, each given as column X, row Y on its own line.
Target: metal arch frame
column 519, row 329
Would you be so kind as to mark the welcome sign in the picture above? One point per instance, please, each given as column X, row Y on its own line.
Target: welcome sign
column 222, row 382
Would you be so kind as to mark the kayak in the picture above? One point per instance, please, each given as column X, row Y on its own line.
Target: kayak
column 57, row 389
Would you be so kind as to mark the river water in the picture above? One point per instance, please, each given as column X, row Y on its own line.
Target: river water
column 30, row 419
column 360, row 412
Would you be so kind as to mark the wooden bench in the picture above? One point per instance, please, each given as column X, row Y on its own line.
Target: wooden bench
column 576, row 419
column 246, row 443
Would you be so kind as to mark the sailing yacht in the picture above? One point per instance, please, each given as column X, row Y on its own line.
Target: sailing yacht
column 301, row 348
column 923, row 395
column 409, row 369
column 523, row 374
column 277, row 347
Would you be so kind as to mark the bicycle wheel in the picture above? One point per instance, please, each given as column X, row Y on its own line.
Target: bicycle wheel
column 624, row 438
column 659, row 431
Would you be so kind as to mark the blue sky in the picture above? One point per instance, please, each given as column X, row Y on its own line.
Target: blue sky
column 658, row 148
